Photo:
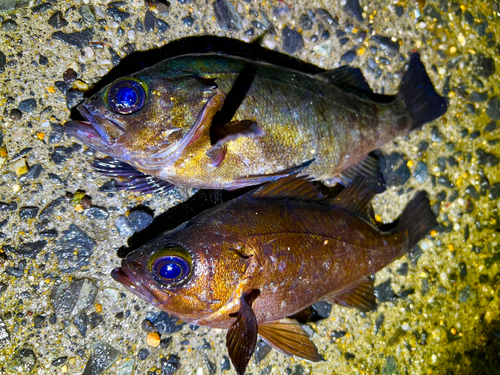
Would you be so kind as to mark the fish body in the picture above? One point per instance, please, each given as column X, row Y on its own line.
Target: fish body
column 224, row 122
column 269, row 254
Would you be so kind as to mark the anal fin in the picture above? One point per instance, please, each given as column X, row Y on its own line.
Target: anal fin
column 241, row 337
column 288, row 336
column 360, row 295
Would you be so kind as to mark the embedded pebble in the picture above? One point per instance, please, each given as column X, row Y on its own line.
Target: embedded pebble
column 28, row 212
column 161, row 25
column 77, row 39
column 28, row 105
column 74, row 249
column 96, row 212
column 140, row 220
column 421, row 173
column 493, row 108
column 23, row 362
column 292, row 40
column 348, row 57
column 305, row 22
column 57, row 20
column 4, row 334
column 87, row 13
column 73, row 98
column 226, row 15
column 485, row 158
column 354, row 9
column 31, row 249
column 117, row 15
column 9, row 25
column 102, row 357
column 3, row 61
column 384, row 291
column 70, row 299
column 124, row 226
column 394, row 169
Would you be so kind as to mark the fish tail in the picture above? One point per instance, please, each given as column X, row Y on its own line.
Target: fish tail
column 417, row 92
column 417, row 220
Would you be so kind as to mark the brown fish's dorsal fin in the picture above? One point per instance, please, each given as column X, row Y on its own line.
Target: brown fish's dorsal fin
column 356, row 198
column 347, row 77
column 360, row 296
column 241, row 337
column 220, row 135
column 265, row 178
column 288, row 336
column 369, row 168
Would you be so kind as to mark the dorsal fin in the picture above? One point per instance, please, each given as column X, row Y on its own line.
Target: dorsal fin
column 351, row 80
column 356, row 198
column 369, row 168
column 347, row 76
column 291, row 187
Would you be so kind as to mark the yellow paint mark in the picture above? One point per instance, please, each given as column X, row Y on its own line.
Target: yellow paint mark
column 51, row 89
column 361, row 51
column 453, row 331
column 434, row 233
column 378, row 217
column 409, row 163
column 450, row 247
column 40, row 135
column 453, row 49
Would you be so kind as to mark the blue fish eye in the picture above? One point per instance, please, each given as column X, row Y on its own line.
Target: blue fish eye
column 126, row 96
column 171, row 269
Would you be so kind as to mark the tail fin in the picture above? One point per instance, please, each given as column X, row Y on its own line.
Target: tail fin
column 417, row 220
column 422, row 101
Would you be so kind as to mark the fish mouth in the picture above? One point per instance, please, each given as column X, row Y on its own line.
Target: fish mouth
column 99, row 131
column 120, row 275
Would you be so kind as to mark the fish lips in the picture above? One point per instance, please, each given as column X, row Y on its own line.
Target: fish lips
column 100, row 130
column 124, row 276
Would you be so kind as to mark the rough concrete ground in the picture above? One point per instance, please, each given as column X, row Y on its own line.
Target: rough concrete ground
column 60, row 312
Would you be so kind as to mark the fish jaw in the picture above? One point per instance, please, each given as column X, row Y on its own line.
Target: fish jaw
column 101, row 131
column 125, row 278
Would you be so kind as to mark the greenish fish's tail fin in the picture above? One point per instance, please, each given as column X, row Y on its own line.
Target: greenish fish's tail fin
column 417, row 220
column 422, row 101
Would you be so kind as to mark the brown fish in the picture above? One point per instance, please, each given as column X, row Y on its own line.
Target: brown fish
column 248, row 264
column 222, row 122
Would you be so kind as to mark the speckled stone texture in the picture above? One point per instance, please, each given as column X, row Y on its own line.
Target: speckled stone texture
column 61, row 223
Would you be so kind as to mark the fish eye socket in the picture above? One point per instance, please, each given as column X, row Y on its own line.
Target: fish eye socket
column 126, row 96
column 171, row 266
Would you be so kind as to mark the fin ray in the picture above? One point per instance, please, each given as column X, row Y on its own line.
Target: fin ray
column 360, row 295
column 288, row 336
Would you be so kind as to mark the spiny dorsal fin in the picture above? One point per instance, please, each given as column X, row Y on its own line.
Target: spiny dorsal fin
column 288, row 336
column 241, row 337
column 356, row 198
column 347, row 77
column 369, row 168
column 360, row 296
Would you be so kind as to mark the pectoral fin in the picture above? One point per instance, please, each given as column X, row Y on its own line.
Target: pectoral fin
column 288, row 336
column 130, row 178
column 241, row 337
column 360, row 296
column 220, row 135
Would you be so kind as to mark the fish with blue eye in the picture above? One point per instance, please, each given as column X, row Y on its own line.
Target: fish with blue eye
column 249, row 264
column 216, row 121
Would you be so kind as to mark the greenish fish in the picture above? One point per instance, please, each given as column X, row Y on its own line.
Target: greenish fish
column 249, row 264
column 222, row 122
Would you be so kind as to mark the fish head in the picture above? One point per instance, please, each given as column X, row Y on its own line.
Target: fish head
column 146, row 120
column 191, row 283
